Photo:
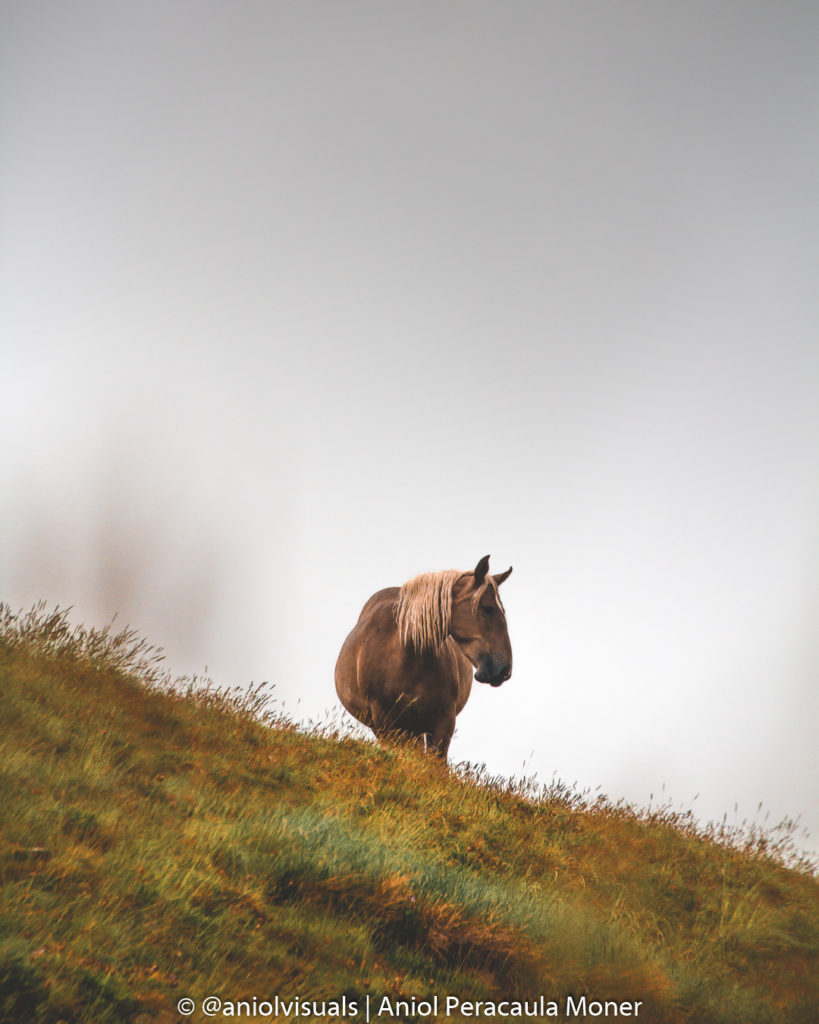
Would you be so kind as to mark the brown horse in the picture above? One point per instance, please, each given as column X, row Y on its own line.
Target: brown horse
column 406, row 667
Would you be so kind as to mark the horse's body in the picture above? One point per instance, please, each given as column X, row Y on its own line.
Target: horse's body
column 406, row 667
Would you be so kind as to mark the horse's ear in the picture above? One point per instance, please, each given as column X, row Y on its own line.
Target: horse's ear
column 481, row 569
column 502, row 576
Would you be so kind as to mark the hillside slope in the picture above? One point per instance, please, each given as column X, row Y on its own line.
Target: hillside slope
column 161, row 843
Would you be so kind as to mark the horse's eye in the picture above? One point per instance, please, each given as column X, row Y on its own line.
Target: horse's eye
column 487, row 609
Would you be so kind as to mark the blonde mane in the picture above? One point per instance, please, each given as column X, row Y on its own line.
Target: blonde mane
column 423, row 610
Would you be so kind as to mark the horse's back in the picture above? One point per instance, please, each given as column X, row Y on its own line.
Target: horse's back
column 379, row 601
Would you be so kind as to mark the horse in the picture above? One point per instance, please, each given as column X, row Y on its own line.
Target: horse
column 406, row 667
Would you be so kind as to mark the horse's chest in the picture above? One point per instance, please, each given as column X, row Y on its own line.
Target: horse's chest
column 433, row 680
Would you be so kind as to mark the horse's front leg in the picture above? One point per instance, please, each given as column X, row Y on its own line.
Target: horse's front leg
column 437, row 742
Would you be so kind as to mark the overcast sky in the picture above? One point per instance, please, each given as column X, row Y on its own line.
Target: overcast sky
column 298, row 300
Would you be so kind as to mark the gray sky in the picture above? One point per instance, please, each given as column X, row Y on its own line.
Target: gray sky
column 299, row 300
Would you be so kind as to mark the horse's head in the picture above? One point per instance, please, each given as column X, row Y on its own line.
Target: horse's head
column 478, row 623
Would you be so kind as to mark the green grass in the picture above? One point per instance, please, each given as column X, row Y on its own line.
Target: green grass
column 161, row 840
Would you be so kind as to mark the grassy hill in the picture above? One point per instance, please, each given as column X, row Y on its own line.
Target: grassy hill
column 160, row 842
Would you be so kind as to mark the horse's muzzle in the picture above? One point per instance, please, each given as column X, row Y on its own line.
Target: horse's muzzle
column 493, row 677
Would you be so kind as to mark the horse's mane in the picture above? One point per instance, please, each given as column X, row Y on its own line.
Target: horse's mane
column 424, row 608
